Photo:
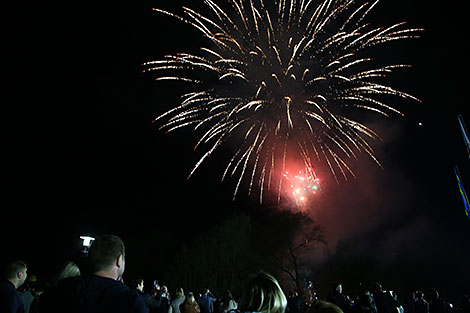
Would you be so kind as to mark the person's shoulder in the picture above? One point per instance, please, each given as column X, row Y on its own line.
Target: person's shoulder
column 135, row 300
column 6, row 286
column 178, row 301
column 124, row 291
column 124, row 295
column 113, row 286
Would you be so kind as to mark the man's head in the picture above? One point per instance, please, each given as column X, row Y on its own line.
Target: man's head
column 377, row 288
column 138, row 284
column 337, row 286
column 15, row 272
column 107, row 256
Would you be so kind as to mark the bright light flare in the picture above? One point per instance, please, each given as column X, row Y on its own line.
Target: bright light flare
column 303, row 185
column 87, row 240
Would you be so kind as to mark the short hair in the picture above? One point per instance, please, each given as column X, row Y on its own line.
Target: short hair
column 104, row 251
column 377, row 287
column 419, row 294
column 13, row 268
column 136, row 282
column 263, row 294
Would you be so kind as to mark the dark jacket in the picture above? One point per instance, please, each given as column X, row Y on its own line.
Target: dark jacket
column 340, row 300
column 91, row 294
column 206, row 303
column 438, row 306
column 385, row 302
column 421, row 306
column 154, row 304
column 10, row 301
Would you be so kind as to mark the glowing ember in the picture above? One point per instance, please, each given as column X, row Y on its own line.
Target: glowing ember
column 303, row 185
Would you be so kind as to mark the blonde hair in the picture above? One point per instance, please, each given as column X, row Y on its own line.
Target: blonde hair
column 263, row 294
column 179, row 293
column 190, row 298
column 69, row 269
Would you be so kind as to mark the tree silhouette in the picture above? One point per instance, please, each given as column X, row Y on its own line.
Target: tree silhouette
column 289, row 237
column 223, row 258
column 219, row 259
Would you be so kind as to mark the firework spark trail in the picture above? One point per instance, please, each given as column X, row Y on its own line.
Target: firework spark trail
column 287, row 79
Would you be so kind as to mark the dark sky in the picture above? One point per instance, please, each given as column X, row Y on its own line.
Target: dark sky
column 81, row 156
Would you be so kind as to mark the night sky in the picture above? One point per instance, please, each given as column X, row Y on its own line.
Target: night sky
column 81, row 155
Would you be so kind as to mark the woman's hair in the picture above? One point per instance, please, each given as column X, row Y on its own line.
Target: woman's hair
column 190, row 298
column 69, row 269
column 263, row 294
column 227, row 295
column 179, row 293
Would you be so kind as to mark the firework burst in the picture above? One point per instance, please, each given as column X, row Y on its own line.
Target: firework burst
column 280, row 81
column 303, row 186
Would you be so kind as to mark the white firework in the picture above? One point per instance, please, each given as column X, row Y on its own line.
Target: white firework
column 280, row 81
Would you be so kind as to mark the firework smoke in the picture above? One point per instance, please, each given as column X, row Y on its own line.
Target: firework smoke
column 285, row 82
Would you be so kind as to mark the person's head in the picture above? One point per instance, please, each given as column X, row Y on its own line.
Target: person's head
column 15, row 272
column 434, row 295
column 263, row 294
column 138, row 284
column 190, row 299
column 337, row 286
column 419, row 294
column 227, row 296
column 179, row 293
column 107, row 256
column 377, row 287
column 324, row 307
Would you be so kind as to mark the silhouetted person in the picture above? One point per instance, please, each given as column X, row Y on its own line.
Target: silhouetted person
column 164, row 296
column 190, row 304
column 294, row 303
column 437, row 304
column 14, row 276
column 384, row 300
column 365, row 303
column 337, row 297
column 206, row 301
column 100, row 292
column 177, row 300
column 228, row 303
column 411, row 303
column 421, row 305
column 152, row 303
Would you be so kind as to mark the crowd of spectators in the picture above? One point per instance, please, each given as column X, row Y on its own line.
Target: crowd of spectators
column 103, row 290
